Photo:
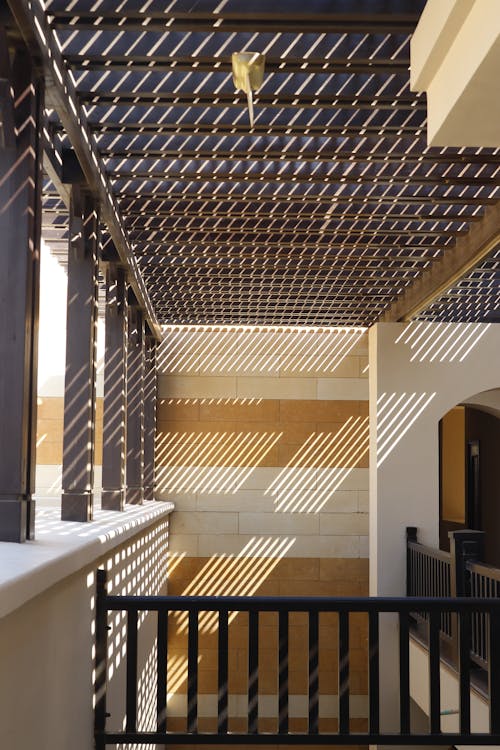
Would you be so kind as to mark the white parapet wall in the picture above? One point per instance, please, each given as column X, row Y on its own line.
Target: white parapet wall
column 449, row 694
column 47, row 606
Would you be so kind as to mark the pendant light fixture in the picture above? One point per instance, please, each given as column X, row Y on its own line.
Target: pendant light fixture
column 248, row 74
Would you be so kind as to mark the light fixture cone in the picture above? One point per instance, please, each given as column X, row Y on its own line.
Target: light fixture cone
column 248, row 70
column 248, row 74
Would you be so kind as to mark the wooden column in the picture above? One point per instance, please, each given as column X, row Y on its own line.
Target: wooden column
column 149, row 417
column 21, row 108
column 135, row 407
column 80, row 380
column 114, row 431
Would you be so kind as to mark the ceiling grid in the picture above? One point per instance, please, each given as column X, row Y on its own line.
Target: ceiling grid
column 325, row 211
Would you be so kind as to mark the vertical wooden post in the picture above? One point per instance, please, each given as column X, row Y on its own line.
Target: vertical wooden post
column 149, row 416
column 411, row 536
column 21, row 105
column 135, row 407
column 115, row 391
column 80, row 379
column 465, row 546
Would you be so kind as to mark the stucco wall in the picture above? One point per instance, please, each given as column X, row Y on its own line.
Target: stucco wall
column 418, row 372
column 46, row 650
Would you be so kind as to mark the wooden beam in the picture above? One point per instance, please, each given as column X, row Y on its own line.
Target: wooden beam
column 211, row 64
column 250, row 22
column 202, row 99
column 32, row 22
column 444, row 273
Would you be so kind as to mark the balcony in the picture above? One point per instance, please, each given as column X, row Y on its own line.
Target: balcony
column 469, row 622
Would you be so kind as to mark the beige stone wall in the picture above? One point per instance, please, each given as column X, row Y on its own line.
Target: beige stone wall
column 49, row 441
column 262, row 443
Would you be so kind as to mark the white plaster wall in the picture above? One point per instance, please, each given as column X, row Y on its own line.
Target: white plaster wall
column 449, row 693
column 418, row 371
column 47, row 651
column 455, row 55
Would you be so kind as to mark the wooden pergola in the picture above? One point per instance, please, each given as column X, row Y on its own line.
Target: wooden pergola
column 326, row 212
column 329, row 210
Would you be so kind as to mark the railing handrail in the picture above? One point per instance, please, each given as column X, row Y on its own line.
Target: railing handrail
column 298, row 604
column 436, row 554
column 483, row 569
column 310, row 647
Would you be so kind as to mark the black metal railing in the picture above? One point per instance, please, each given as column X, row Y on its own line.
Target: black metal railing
column 458, row 573
column 483, row 583
column 195, row 608
column 428, row 575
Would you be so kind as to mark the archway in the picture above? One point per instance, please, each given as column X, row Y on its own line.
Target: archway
column 469, row 471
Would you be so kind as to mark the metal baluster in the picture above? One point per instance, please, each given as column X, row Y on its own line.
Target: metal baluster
column 434, row 673
column 313, row 672
column 404, row 674
column 222, row 705
column 373, row 670
column 253, row 672
column 283, row 672
column 161, row 671
column 131, row 700
column 192, row 685
column 343, row 672
column 464, row 637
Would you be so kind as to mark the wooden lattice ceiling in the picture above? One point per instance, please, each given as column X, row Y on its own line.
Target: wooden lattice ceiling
column 323, row 213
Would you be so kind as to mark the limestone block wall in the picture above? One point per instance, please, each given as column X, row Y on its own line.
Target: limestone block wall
column 262, row 443
column 50, row 421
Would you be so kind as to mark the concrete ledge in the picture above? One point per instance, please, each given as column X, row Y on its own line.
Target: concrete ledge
column 61, row 548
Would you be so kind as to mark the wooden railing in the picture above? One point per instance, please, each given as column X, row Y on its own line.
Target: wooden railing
column 463, row 610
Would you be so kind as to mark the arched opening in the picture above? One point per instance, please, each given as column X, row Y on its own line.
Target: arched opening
column 469, row 471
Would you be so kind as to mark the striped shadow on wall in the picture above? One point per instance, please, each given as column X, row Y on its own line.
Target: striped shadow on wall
column 262, row 443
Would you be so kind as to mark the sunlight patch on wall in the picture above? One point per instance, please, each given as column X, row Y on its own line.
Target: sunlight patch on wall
column 210, row 462
column 212, row 401
column 441, row 342
column 395, row 416
column 237, row 575
column 343, row 449
column 255, row 349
